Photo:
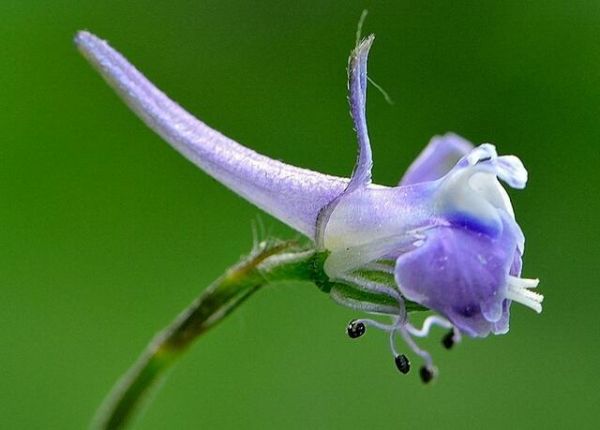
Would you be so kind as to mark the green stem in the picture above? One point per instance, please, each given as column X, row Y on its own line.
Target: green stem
column 271, row 261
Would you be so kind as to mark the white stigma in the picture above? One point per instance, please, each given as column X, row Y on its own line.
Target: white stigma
column 518, row 290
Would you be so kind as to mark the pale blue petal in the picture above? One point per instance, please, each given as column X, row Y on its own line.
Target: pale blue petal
column 462, row 275
column 291, row 194
column 439, row 156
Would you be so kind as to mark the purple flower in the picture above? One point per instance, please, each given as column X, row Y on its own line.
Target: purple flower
column 445, row 237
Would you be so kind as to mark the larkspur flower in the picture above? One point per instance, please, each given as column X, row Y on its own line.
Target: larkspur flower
column 445, row 238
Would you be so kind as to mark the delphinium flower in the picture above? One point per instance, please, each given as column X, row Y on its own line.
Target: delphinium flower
column 444, row 239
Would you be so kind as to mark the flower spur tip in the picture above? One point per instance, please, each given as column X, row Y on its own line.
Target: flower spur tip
column 87, row 42
column 81, row 36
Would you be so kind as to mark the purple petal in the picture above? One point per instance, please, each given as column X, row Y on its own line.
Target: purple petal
column 461, row 274
column 438, row 158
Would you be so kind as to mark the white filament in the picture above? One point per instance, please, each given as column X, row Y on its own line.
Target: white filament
column 518, row 290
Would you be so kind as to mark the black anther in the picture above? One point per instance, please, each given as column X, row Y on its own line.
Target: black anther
column 356, row 329
column 402, row 363
column 427, row 373
column 448, row 340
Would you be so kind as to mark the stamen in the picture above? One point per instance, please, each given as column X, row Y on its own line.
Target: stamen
column 427, row 324
column 412, row 345
column 340, row 297
column 403, row 328
column 381, row 326
column 380, row 267
column 370, row 286
column 402, row 363
column 401, row 360
column 427, row 373
column 356, row 329
column 519, row 291
column 448, row 340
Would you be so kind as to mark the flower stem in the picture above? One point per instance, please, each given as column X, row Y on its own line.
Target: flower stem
column 270, row 261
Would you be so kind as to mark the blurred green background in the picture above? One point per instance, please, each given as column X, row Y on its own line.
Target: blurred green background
column 106, row 233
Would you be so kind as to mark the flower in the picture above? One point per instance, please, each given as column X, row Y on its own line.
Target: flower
column 445, row 238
